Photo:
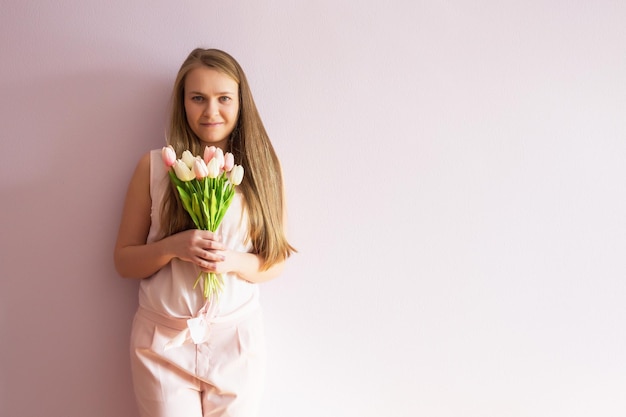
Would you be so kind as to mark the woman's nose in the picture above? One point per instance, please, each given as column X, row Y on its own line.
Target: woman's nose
column 210, row 108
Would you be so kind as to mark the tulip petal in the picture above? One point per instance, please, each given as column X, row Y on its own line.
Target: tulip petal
column 168, row 155
column 188, row 159
column 209, row 151
column 229, row 161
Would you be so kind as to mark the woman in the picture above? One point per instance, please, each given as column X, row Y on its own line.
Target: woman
column 193, row 356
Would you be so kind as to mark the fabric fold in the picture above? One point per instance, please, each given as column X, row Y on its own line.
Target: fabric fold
column 197, row 329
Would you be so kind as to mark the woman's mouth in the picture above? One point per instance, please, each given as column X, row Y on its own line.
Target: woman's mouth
column 210, row 124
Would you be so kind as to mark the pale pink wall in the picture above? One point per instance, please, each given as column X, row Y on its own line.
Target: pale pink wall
column 456, row 184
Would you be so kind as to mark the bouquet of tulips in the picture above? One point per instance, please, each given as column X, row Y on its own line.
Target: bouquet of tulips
column 206, row 186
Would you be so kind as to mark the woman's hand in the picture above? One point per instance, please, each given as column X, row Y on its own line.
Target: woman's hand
column 247, row 266
column 199, row 247
column 206, row 250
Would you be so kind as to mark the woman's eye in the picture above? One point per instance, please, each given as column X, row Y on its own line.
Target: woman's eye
column 197, row 98
column 225, row 99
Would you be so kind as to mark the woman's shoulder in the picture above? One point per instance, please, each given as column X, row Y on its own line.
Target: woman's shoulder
column 149, row 160
column 142, row 169
column 146, row 165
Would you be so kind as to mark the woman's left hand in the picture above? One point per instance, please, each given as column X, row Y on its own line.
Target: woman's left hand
column 228, row 264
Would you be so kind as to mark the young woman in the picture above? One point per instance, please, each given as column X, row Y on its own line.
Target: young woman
column 193, row 356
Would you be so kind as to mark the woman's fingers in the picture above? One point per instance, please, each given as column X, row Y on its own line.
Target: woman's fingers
column 202, row 247
column 213, row 245
column 209, row 240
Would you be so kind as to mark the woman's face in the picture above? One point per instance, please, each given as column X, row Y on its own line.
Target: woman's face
column 212, row 105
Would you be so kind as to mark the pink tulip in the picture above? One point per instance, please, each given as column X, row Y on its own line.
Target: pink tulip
column 236, row 175
column 219, row 155
column 200, row 168
column 169, row 156
column 229, row 161
column 209, row 151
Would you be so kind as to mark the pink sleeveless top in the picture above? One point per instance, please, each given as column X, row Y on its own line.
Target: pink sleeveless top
column 170, row 291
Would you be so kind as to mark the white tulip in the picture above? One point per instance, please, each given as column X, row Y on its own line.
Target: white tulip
column 236, row 175
column 188, row 159
column 183, row 172
column 214, row 168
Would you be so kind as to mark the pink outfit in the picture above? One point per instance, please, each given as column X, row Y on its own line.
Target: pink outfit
column 190, row 356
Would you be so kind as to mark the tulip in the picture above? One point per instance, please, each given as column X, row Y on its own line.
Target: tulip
column 200, row 168
column 213, row 168
column 182, row 171
column 229, row 161
column 188, row 159
column 169, row 156
column 209, row 151
column 236, row 175
column 219, row 155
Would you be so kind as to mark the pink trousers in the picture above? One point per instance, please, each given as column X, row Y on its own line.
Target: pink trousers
column 222, row 376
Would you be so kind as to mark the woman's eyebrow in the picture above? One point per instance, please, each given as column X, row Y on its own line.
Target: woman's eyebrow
column 218, row 93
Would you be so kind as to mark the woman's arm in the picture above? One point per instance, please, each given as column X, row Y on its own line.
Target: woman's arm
column 134, row 258
column 248, row 266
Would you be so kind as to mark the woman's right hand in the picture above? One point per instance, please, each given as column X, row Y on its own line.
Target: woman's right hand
column 200, row 247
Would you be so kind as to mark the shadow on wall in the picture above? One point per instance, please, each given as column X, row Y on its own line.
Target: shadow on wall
column 71, row 143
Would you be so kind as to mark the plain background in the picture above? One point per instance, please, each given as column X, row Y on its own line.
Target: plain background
column 456, row 182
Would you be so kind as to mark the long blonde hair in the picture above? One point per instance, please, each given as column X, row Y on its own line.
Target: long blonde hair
column 262, row 185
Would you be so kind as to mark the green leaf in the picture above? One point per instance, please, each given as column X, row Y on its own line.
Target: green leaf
column 195, row 284
column 213, row 211
column 174, row 178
